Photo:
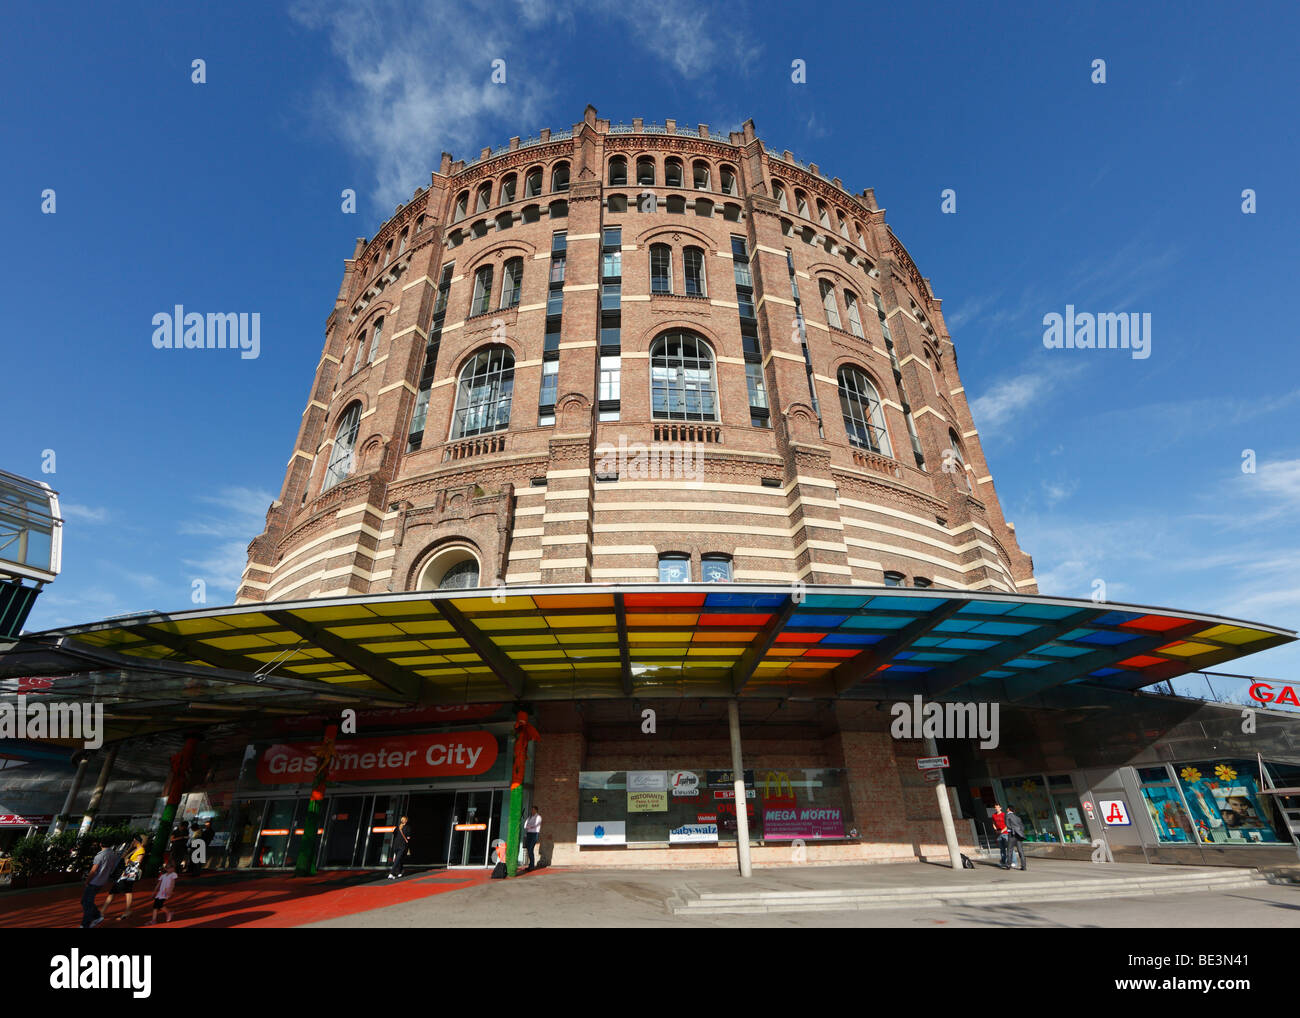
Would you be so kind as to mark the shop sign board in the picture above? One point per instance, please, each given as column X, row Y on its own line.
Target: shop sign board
column 1114, row 812
column 26, row 819
column 808, row 822
column 442, row 755
column 647, row 781
column 647, row 802
column 602, row 832
column 693, row 834
column 725, row 779
column 929, row 763
column 685, row 784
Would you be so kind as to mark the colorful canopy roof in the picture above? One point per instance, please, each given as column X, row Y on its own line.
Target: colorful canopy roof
column 660, row 640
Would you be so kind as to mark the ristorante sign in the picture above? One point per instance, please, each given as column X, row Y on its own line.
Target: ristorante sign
column 443, row 755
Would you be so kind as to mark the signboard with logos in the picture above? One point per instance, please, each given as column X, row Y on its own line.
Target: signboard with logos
column 685, row 784
column 385, row 757
column 602, row 832
column 724, row 779
column 693, row 834
column 647, row 791
column 929, row 763
column 808, row 822
column 26, row 819
column 1114, row 813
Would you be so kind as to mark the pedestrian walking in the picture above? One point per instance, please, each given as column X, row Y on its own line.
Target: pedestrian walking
column 133, row 862
column 401, row 841
column 162, row 894
column 178, row 846
column 532, row 833
column 1016, row 836
column 1000, row 825
column 101, row 872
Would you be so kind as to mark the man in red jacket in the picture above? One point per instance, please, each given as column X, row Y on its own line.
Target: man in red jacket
column 1000, row 825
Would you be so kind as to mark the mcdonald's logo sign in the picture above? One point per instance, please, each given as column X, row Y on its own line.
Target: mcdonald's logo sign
column 773, row 782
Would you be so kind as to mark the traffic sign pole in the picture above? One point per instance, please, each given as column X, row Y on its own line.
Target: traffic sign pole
column 945, row 810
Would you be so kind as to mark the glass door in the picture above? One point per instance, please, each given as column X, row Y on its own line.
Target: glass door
column 384, row 814
column 344, row 819
column 474, row 827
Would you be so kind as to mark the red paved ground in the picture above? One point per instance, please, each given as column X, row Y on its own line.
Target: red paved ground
column 227, row 900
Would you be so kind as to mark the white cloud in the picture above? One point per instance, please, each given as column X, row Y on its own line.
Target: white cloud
column 1011, row 397
column 84, row 513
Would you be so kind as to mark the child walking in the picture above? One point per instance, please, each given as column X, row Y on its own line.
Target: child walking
column 166, row 881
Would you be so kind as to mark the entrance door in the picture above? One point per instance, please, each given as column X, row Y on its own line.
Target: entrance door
column 384, row 816
column 473, row 828
column 430, row 815
column 344, row 820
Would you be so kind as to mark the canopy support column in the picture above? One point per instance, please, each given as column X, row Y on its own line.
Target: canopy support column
column 180, row 772
column 738, row 776
column 945, row 810
column 306, row 864
column 100, row 785
column 61, row 820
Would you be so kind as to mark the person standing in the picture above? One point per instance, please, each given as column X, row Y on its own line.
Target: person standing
column 166, row 881
column 178, row 846
column 1000, row 825
column 401, row 841
column 1016, row 836
column 101, row 872
column 134, row 862
column 532, row 834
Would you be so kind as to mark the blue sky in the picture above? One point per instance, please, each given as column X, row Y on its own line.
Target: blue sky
column 1122, row 196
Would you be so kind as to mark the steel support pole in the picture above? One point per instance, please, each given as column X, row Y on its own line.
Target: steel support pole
column 100, row 785
column 738, row 776
column 945, row 810
column 61, row 820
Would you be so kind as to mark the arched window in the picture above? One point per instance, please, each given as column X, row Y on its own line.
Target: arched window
column 480, row 228
column 505, row 220
column 560, row 177
column 482, row 301
column 801, row 203
column 462, row 207
column 673, row 172
column 682, row 384
column 484, row 198
column 483, row 394
column 844, row 228
column 828, row 304
column 618, row 171
column 727, row 178
column 617, row 203
column 778, row 190
column 645, row 171
column 674, row 567
column 855, row 319
column 864, row 420
column 959, row 461
column 454, row 568
column 376, row 331
column 419, row 224
column 715, row 568
column 703, row 207
column 533, row 183
column 701, row 175
column 402, row 244
column 388, row 252
column 661, row 268
column 558, row 209
column 693, row 262
column 345, row 442
column 531, row 213
column 823, row 215
column 676, row 205
column 507, row 189
column 512, row 278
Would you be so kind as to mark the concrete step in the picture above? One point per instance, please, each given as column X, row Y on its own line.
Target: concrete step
column 693, row 902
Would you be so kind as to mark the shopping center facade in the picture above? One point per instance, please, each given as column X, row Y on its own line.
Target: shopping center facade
column 619, row 430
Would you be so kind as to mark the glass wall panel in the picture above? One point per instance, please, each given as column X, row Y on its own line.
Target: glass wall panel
column 1226, row 806
column 1165, row 806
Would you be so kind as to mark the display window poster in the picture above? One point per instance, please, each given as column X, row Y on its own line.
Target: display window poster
column 725, row 779
column 647, row 781
column 684, row 784
column 1168, row 817
column 807, row 822
column 693, row 834
column 654, row 801
column 1224, row 798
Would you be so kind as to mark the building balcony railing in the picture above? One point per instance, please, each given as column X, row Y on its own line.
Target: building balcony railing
column 684, row 432
column 877, row 463
column 468, row 448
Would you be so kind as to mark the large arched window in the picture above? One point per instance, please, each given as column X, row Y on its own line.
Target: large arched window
column 673, row 172
column 483, row 395
column 482, row 300
column 828, row 304
column 511, row 281
column 682, row 383
column 701, row 175
column 453, row 568
column 661, row 268
column 484, row 199
column 855, row 319
column 645, row 171
column 345, row 443
column 727, row 178
column 864, row 420
column 507, row 189
column 533, row 183
column 618, row 171
column 779, row 189
column 376, row 331
column 462, row 207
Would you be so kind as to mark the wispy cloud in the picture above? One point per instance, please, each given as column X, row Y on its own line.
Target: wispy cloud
column 1020, row 394
column 83, row 513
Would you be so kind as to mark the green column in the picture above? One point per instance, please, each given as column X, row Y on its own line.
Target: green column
column 306, row 864
column 181, row 764
column 524, row 733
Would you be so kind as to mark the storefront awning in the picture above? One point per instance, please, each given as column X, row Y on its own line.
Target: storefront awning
column 656, row 640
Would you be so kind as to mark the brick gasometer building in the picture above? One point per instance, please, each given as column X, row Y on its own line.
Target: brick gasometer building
column 645, row 354
column 700, row 297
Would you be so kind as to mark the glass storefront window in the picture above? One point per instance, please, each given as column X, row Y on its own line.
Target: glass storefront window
column 1028, row 795
column 273, row 839
column 1225, row 804
column 1165, row 806
column 1068, row 810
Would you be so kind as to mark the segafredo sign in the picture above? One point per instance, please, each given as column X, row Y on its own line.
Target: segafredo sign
column 444, row 755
